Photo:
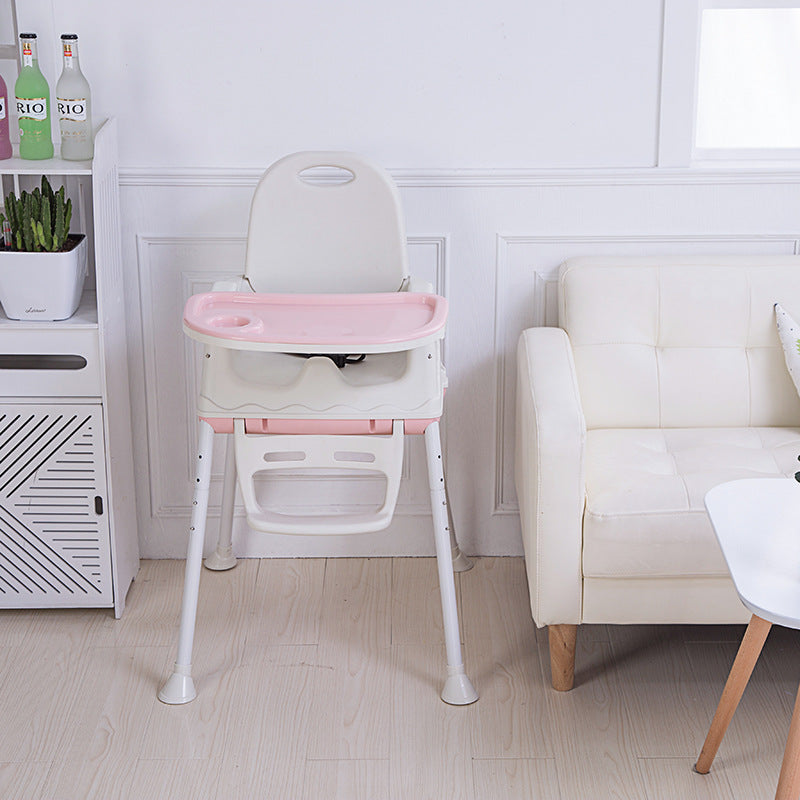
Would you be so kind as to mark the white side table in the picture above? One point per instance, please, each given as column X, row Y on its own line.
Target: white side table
column 757, row 523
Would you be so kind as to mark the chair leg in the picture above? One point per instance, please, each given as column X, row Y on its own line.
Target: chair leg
column 789, row 780
column 179, row 687
column 458, row 689
column 562, row 640
column 742, row 669
column 461, row 563
column 222, row 558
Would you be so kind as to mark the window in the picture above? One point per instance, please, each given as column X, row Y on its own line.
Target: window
column 730, row 81
column 748, row 83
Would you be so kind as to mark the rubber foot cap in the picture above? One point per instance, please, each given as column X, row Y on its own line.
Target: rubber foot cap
column 460, row 562
column 459, row 691
column 177, row 690
column 220, row 561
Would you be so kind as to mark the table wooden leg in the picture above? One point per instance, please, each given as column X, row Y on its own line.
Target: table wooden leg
column 749, row 650
column 789, row 780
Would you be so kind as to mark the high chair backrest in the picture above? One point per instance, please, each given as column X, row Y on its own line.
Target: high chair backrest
column 312, row 233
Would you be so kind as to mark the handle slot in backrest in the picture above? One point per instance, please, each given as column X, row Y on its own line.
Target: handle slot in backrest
column 326, row 175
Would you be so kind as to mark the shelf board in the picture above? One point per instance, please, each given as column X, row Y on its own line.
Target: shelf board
column 52, row 166
column 47, row 166
column 84, row 317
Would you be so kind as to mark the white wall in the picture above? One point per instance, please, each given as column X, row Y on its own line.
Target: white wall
column 442, row 83
column 520, row 133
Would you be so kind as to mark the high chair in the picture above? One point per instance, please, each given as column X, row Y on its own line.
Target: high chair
column 324, row 356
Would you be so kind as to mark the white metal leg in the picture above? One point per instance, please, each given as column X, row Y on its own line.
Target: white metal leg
column 461, row 563
column 222, row 558
column 458, row 689
column 179, row 687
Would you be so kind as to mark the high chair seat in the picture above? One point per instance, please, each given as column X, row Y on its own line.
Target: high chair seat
column 254, row 340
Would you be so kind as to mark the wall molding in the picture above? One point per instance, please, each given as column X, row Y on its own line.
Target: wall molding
column 489, row 178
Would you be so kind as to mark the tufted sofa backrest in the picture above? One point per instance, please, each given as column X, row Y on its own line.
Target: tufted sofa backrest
column 680, row 341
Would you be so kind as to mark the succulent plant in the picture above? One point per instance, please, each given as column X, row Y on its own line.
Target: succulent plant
column 39, row 220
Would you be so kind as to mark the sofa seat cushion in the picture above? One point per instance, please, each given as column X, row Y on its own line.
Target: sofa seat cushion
column 644, row 494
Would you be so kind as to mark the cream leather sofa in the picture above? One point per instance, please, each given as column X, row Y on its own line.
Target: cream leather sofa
column 664, row 378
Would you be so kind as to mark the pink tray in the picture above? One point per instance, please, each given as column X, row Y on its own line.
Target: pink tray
column 316, row 323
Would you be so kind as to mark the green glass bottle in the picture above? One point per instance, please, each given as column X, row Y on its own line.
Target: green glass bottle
column 33, row 104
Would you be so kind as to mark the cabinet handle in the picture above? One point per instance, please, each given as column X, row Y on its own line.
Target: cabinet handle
column 41, row 361
column 98, row 505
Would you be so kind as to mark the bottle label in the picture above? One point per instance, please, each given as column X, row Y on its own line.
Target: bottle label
column 67, row 54
column 27, row 54
column 74, row 110
column 2, row 107
column 32, row 108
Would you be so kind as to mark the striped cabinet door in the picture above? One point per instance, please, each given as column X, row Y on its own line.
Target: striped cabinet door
column 54, row 532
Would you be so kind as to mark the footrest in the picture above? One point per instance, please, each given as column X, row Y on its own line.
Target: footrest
column 259, row 453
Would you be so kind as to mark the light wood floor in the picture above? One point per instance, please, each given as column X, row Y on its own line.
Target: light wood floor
column 319, row 679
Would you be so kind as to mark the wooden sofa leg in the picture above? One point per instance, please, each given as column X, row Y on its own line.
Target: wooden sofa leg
column 562, row 655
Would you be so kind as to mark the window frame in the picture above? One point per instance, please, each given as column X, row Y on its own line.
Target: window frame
column 679, row 79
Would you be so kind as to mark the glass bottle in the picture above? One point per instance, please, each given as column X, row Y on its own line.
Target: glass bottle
column 74, row 103
column 5, row 139
column 33, row 104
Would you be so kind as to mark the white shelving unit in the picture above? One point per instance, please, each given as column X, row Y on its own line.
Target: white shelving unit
column 68, row 535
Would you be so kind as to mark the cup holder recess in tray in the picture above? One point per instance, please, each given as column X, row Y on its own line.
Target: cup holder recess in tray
column 233, row 322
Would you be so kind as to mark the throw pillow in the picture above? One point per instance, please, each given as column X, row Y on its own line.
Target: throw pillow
column 789, row 333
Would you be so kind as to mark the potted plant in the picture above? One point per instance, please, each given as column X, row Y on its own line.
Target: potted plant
column 42, row 266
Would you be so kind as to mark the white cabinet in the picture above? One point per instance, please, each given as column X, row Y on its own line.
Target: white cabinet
column 68, row 535
column 54, row 535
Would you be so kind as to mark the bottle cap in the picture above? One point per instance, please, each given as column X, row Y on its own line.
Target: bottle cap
column 27, row 36
column 69, row 35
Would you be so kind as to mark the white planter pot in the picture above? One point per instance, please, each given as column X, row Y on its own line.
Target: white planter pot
column 42, row 286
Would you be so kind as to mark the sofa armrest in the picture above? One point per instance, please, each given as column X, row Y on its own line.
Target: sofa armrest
column 550, row 474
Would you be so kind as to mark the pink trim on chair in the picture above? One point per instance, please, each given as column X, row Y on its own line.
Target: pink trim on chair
column 318, row 427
